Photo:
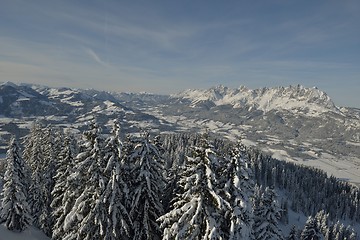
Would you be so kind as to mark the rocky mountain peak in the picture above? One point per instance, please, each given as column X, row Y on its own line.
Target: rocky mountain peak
column 296, row 98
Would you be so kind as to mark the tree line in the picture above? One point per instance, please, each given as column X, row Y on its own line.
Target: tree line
column 174, row 186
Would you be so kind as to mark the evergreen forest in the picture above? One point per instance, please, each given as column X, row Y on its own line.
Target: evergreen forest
column 111, row 185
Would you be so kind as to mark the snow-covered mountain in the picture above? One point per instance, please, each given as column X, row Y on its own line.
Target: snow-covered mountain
column 290, row 123
column 22, row 104
column 32, row 100
column 294, row 98
column 293, row 123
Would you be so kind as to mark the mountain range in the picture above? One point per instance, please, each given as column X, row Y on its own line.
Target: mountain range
column 291, row 123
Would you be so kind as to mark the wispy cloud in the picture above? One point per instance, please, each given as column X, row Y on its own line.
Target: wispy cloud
column 160, row 48
column 95, row 57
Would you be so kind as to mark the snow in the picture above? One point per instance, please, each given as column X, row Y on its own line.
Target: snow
column 353, row 143
column 299, row 219
column 22, row 99
column 347, row 169
column 248, row 142
column 5, row 120
column 85, row 118
column 26, row 125
column 55, row 92
column 55, row 118
column 109, row 104
column 97, row 109
column 10, row 84
column 343, row 168
column 4, row 132
column 281, row 155
column 65, row 96
column 309, row 101
column 129, row 112
column 72, row 103
column 30, row 233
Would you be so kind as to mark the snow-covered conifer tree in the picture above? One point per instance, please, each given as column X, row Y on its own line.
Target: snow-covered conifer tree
column 353, row 236
column 311, row 230
column 322, row 219
column 15, row 211
column 29, row 142
column 338, row 231
column 284, row 211
column 239, row 191
column 88, row 216
column 40, row 157
column 349, row 232
column 46, row 220
column 116, row 192
column 63, row 192
column 198, row 211
column 35, row 159
column 293, row 235
column 147, row 189
column 267, row 215
column 27, row 154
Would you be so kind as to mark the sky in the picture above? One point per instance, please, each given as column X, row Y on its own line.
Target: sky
column 168, row 46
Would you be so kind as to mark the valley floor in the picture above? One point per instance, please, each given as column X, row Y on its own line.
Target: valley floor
column 346, row 169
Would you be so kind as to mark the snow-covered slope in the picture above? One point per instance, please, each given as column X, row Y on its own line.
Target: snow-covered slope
column 294, row 98
column 22, row 104
column 292, row 123
column 30, row 233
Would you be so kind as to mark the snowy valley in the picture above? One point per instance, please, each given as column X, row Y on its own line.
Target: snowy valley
column 295, row 123
column 299, row 156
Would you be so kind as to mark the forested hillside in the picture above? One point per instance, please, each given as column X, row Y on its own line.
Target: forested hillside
column 169, row 186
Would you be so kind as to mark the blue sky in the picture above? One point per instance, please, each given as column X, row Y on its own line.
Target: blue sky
column 169, row 46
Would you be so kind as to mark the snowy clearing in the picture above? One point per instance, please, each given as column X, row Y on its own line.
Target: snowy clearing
column 30, row 233
column 344, row 169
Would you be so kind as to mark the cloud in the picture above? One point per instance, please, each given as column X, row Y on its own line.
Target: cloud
column 95, row 57
column 155, row 48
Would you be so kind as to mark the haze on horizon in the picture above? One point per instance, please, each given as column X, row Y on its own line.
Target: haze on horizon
column 169, row 46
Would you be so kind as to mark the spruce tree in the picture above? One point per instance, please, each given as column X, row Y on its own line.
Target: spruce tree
column 349, row 232
column 15, row 211
column 339, row 231
column 311, row 230
column 36, row 161
column 238, row 191
column 353, row 236
column 267, row 215
column 322, row 219
column 116, row 193
column 87, row 218
column 293, row 235
column 146, row 190
column 40, row 157
column 198, row 211
column 63, row 192
column 46, row 220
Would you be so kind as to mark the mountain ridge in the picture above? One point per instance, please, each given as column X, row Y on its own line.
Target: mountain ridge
column 290, row 123
column 265, row 99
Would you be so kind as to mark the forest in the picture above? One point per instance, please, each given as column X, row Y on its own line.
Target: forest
column 112, row 185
